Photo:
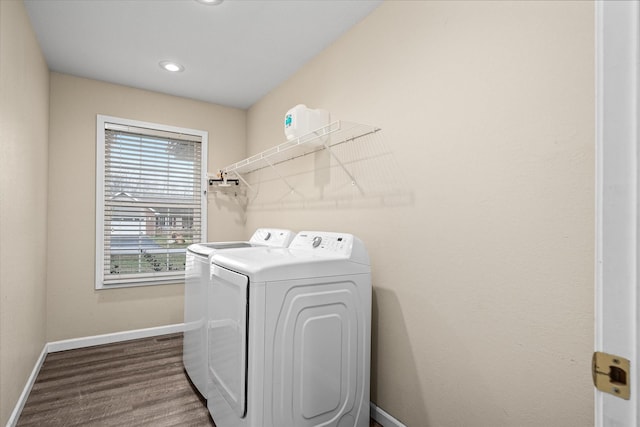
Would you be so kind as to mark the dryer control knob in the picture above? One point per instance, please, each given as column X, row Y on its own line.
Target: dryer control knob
column 268, row 236
column 316, row 241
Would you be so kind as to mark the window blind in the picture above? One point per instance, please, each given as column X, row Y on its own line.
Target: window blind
column 152, row 203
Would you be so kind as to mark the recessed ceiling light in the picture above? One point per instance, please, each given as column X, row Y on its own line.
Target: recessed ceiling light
column 171, row 66
column 210, row 2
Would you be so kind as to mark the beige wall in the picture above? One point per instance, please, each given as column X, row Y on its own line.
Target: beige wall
column 24, row 92
column 483, row 266
column 74, row 308
column 482, row 243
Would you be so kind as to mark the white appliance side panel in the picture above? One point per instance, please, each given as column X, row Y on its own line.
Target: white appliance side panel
column 227, row 336
column 194, row 354
column 317, row 364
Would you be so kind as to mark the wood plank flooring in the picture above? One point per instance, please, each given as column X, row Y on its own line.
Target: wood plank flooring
column 133, row 383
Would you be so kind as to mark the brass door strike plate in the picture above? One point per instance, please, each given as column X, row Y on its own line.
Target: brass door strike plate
column 611, row 374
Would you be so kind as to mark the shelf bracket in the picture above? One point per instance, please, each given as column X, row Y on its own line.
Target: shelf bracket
column 243, row 180
column 344, row 168
column 293, row 190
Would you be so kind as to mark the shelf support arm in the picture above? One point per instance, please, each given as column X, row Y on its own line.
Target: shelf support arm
column 344, row 168
column 293, row 190
column 243, row 180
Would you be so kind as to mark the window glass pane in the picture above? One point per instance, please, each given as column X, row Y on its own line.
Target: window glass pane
column 152, row 205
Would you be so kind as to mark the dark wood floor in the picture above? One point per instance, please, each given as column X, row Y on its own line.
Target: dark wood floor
column 134, row 383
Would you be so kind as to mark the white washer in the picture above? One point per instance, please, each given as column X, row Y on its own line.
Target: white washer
column 289, row 334
column 195, row 347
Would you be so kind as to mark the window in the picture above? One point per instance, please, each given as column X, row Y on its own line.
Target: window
column 150, row 201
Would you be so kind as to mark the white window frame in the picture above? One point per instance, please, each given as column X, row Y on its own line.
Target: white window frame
column 100, row 176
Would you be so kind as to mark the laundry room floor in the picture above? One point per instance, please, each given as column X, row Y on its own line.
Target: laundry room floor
column 133, row 383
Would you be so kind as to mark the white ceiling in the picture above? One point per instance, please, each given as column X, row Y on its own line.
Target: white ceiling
column 233, row 53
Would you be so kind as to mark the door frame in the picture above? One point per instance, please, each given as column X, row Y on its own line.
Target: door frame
column 617, row 199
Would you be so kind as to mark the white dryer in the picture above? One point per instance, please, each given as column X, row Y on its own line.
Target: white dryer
column 195, row 347
column 289, row 334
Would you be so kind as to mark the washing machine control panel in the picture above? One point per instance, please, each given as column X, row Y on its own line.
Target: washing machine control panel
column 323, row 242
column 272, row 237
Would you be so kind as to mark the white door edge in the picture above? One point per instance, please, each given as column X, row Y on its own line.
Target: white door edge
column 616, row 292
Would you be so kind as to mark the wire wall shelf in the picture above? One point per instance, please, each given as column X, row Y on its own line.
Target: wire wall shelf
column 324, row 138
column 328, row 136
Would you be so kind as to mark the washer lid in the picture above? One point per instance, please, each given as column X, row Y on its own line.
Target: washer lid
column 261, row 237
column 206, row 249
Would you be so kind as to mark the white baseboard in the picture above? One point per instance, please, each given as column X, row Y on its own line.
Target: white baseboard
column 71, row 344
column 74, row 343
column 383, row 418
column 17, row 410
